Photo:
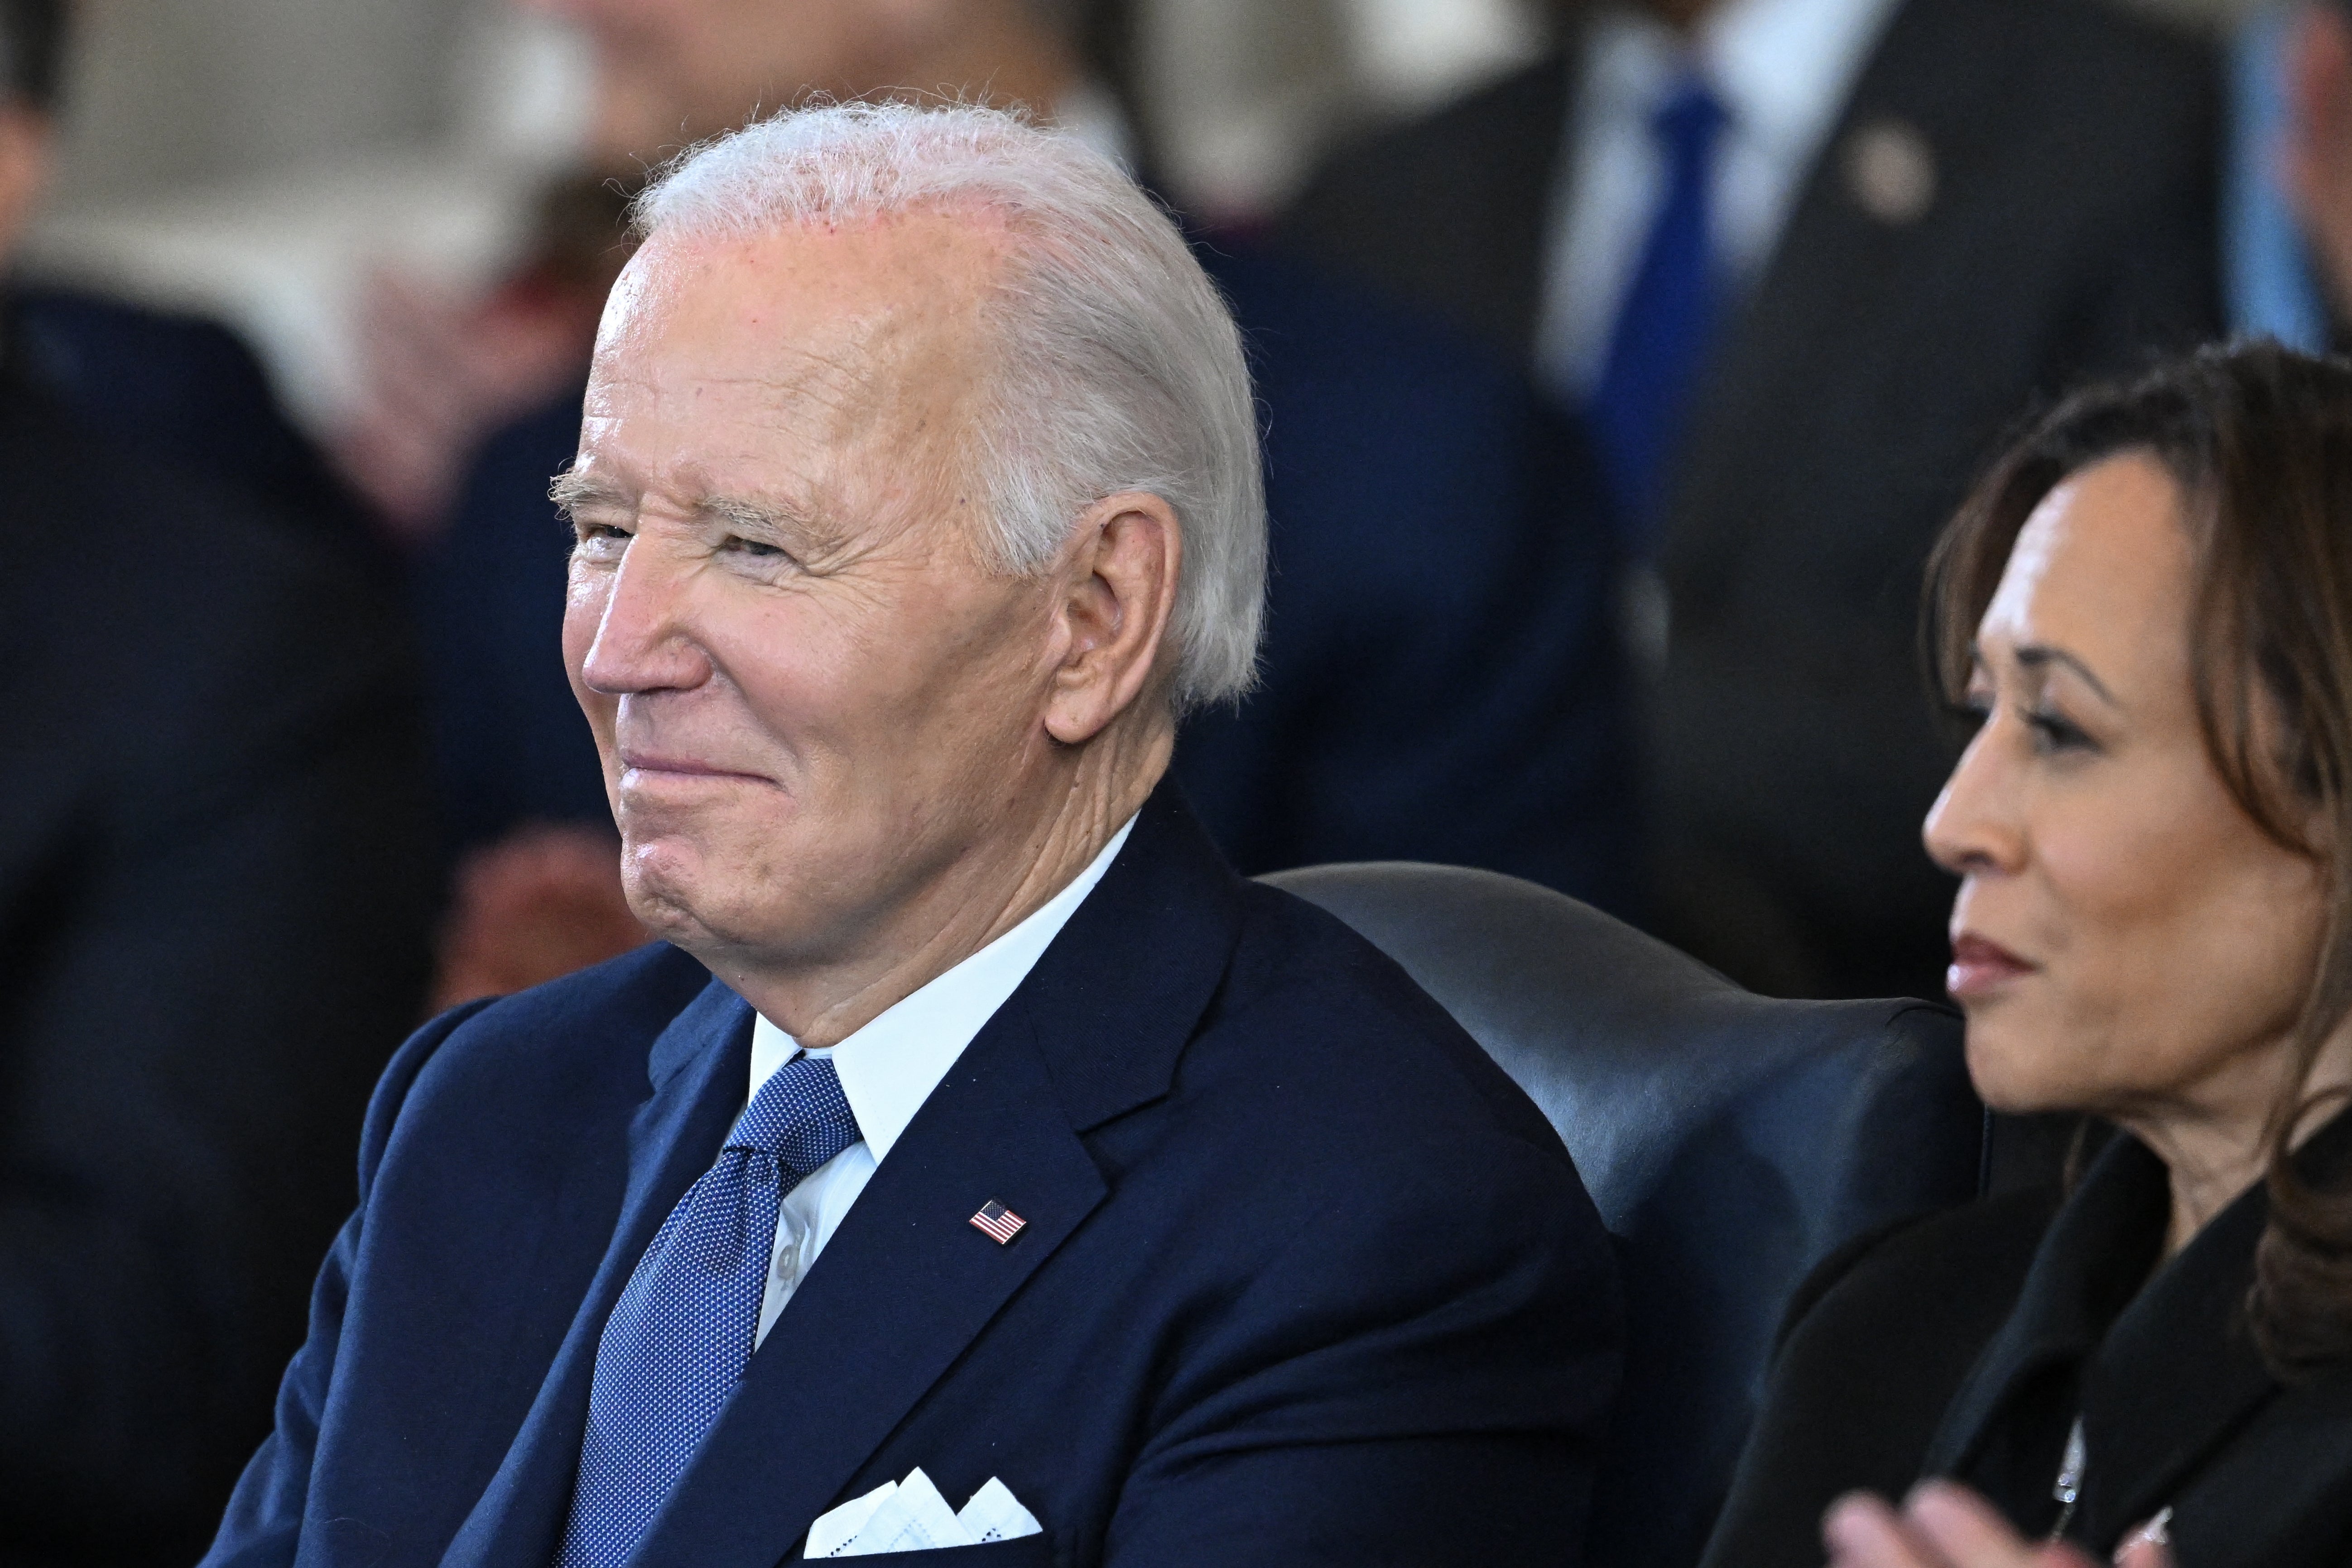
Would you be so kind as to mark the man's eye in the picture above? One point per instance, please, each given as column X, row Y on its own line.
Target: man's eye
column 756, row 549
column 598, row 540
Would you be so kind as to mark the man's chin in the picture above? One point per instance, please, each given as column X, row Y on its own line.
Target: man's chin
column 705, row 916
column 661, row 884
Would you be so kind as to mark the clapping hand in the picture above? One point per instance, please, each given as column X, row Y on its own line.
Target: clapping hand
column 1947, row 1526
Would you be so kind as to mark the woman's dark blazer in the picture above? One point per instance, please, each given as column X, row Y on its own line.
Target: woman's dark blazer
column 1966, row 1343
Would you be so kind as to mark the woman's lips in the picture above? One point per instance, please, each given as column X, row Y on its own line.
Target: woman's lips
column 1981, row 966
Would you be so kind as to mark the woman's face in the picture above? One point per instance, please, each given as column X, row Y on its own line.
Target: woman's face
column 2125, row 938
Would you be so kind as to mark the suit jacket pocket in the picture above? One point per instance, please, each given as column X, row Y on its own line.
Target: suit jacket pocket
column 1028, row 1552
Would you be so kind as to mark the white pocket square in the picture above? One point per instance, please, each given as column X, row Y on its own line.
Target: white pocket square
column 911, row 1516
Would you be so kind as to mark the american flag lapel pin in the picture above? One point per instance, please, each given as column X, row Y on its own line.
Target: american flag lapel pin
column 1000, row 1223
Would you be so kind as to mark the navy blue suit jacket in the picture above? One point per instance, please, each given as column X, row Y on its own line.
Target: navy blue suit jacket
column 1306, row 1278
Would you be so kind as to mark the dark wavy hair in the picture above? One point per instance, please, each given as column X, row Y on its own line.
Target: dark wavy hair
column 2259, row 440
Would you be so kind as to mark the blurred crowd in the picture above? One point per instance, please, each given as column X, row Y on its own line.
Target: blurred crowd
column 1609, row 411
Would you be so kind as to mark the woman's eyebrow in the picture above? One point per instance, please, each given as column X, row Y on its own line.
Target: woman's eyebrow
column 2041, row 656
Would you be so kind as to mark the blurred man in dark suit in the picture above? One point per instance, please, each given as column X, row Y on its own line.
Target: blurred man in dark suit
column 1440, row 678
column 178, row 389
column 215, row 885
column 1795, row 263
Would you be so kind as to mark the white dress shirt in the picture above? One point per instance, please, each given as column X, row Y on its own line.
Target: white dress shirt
column 1783, row 70
column 889, row 1068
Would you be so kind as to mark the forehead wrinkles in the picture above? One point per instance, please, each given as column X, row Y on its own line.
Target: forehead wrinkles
column 858, row 355
column 887, row 374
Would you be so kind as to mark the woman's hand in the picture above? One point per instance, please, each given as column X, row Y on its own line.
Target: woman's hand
column 1945, row 1526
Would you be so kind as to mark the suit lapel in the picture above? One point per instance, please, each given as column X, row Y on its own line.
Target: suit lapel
column 2089, row 1267
column 2176, row 1375
column 699, row 1067
column 1495, row 210
column 1838, row 276
column 1468, row 248
column 907, row 1281
column 902, row 1288
column 2179, row 1374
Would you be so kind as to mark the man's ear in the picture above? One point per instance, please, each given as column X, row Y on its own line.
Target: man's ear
column 26, row 141
column 1118, row 594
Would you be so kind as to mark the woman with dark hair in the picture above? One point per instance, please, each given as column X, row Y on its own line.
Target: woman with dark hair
column 2146, row 608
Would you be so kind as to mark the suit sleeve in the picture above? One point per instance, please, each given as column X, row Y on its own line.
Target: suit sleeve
column 264, row 1521
column 1426, row 1382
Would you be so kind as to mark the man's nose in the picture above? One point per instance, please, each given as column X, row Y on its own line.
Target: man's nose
column 1973, row 827
column 643, row 641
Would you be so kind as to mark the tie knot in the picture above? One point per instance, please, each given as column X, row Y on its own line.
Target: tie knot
column 800, row 1118
column 1689, row 117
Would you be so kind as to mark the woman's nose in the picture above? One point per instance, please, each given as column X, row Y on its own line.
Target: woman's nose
column 1973, row 826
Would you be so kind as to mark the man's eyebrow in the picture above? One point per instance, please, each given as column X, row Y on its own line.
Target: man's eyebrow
column 2040, row 656
column 775, row 517
column 569, row 490
column 802, row 530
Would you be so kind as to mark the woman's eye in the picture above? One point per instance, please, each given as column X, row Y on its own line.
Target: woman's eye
column 2056, row 732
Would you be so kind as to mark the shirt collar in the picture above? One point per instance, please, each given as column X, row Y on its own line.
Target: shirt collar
column 889, row 1067
column 1782, row 68
column 1785, row 67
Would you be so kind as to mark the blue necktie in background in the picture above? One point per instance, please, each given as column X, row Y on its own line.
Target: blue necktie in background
column 681, row 1333
column 1665, row 326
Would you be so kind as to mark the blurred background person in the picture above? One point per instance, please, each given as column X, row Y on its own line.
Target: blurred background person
column 2289, row 193
column 2144, row 607
column 1440, row 679
column 216, row 879
column 176, row 388
column 1793, row 264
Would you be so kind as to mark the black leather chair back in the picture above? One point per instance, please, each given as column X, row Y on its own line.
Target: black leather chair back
column 1731, row 1142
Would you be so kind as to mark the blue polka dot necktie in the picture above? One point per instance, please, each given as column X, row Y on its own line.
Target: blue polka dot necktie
column 682, row 1332
column 1667, row 321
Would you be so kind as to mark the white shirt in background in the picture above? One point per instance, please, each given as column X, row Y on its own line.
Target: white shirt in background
column 889, row 1068
column 1783, row 70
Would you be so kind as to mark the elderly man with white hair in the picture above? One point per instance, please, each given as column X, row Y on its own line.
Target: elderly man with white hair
column 981, row 1166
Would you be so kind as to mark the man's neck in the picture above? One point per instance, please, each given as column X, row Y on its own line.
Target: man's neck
column 985, row 895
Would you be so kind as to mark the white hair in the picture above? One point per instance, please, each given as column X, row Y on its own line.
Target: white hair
column 1120, row 365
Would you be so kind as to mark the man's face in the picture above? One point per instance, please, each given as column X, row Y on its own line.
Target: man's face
column 673, row 71
column 814, row 702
